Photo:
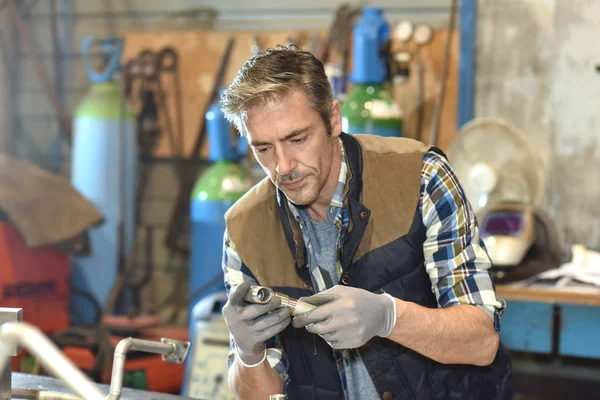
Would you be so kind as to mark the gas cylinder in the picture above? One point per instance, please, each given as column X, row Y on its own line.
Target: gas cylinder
column 103, row 170
column 369, row 107
column 224, row 182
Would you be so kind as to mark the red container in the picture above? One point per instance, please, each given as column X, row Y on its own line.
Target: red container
column 36, row 280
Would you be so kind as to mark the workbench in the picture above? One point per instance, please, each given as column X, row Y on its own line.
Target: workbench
column 548, row 320
column 33, row 383
column 553, row 335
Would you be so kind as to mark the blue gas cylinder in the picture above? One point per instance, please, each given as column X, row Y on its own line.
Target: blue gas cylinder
column 217, row 188
column 369, row 35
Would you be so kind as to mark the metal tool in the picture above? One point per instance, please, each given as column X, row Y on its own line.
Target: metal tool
column 263, row 294
column 13, row 334
column 173, row 351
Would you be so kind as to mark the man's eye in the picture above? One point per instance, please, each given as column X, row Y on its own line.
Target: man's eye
column 299, row 140
column 261, row 150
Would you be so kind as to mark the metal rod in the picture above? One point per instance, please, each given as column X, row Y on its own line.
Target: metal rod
column 48, row 355
column 124, row 346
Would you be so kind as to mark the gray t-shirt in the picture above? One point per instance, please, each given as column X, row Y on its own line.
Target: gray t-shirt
column 321, row 239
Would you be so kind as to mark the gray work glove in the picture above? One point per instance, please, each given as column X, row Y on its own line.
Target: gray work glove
column 348, row 317
column 251, row 325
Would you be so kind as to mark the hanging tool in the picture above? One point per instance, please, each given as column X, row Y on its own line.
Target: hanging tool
column 180, row 216
column 337, row 40
column 148, row 69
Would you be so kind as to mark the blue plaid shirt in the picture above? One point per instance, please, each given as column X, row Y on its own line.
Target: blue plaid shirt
column 455, row 257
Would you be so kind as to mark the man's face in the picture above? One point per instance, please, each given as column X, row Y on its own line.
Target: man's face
column 291, row 143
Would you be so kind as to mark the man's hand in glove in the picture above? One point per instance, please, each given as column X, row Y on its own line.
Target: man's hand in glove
column 348, row 317
column 251, row 325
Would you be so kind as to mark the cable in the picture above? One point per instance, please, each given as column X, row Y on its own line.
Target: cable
column 88, row 295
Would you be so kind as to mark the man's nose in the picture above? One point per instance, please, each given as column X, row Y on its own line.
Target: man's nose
column 285, row 162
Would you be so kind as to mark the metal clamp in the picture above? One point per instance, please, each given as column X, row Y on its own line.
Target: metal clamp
column 179, row 353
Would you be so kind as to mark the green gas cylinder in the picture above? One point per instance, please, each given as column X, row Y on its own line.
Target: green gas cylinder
column 224, row 182
column 369, row 107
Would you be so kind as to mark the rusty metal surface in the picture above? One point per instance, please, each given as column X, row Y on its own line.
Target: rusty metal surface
column 35, row 382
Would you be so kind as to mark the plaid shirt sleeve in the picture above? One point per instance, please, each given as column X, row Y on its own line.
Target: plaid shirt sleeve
column 236, row 272
column 455, row 256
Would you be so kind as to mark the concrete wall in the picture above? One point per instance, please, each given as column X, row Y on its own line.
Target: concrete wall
column 536, row 66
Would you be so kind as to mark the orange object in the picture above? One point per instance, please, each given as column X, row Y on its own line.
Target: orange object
column 36, row 280
column 142, row 370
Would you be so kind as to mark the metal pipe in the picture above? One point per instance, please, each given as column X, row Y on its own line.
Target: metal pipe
column 263, row 294
column 124, row 346
column 49, row 356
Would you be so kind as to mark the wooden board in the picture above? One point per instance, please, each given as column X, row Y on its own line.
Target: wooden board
column 431, row 56
column 200, row 53
column 550, row 295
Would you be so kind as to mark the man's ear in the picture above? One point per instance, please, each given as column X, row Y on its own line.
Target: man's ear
column 336, row 118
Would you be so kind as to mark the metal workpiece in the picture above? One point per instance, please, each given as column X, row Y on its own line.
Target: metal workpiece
column 263, row 294
column 173, row 351
column 13, row 334
column 8, row 315
column 48, row 355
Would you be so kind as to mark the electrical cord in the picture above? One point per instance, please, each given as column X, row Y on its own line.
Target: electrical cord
column 89, row 296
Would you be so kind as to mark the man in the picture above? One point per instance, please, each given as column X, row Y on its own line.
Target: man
column 376, row 232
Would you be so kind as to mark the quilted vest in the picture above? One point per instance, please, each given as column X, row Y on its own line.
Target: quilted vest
column 382, row 251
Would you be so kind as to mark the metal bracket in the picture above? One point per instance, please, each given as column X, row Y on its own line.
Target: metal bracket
column 180, row 352
column 9, row 315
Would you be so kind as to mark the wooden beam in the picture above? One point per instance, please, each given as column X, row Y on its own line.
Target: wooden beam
column 554, row 295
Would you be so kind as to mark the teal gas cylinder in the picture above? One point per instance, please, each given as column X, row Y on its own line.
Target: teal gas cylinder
column 369, row 107
column 224, row 182
column 103, row 169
